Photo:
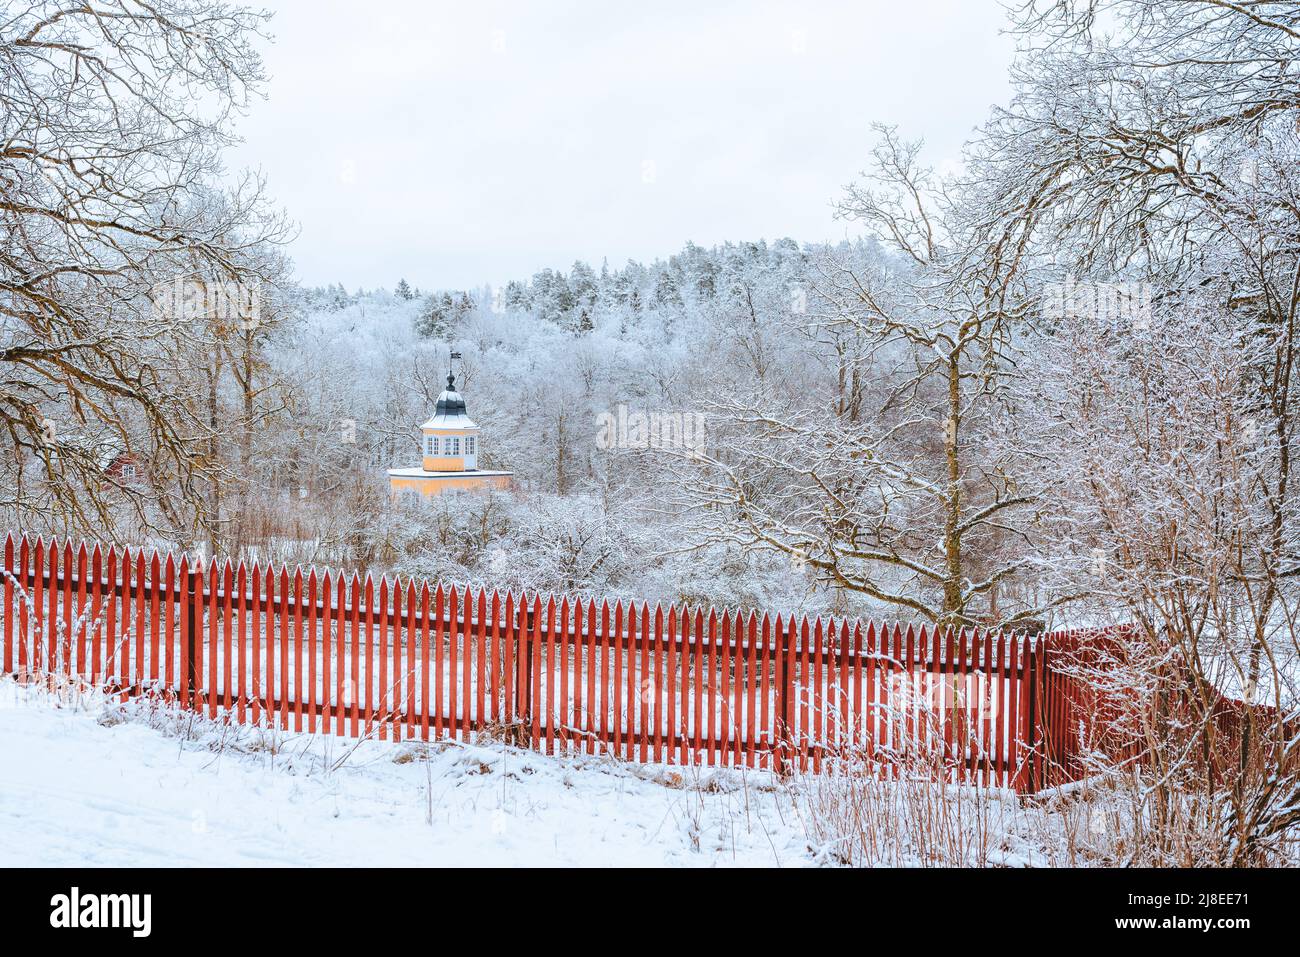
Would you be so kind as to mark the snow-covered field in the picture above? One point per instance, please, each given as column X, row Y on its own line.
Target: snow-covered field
column 95, row 784
column 91, row 782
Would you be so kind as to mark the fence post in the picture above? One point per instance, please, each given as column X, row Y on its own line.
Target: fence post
column 194, row 621
column 9, row 603
column 784, row 700
column 524, row 661
column 1049, row 696
column 1033, row 671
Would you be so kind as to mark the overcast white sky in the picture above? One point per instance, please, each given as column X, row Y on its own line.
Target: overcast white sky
column 458, row 144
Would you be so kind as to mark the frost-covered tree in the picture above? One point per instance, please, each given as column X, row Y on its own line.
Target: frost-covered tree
column 551, row 298
column 585, row 285
column 913, row 494
column 1157, row 145
column 113, row 117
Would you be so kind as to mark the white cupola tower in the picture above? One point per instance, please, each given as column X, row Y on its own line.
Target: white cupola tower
column 451, row 437
column 449, row 443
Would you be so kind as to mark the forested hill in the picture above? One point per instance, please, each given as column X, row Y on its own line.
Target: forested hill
column 730, row 275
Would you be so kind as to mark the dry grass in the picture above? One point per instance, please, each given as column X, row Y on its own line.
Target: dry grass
column 858, row 815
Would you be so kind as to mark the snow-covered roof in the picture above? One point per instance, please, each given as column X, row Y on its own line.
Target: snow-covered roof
column 421, row 473
column 461, row 421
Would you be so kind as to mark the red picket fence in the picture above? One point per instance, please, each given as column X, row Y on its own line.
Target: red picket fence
column 1098, row 717
column 332, row 654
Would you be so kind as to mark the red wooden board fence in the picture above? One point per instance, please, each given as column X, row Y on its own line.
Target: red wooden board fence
column 326, row 653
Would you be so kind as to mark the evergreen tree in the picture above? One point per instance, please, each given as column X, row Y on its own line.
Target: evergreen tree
column 583, row 283
column 516, row 297
column 552, row 297
column 432, row 322
column 619, row 289
column 464, row 306
column 666, row 294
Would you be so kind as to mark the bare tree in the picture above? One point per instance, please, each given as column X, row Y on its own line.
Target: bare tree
column 907, row 493
column 1162, row 151
column 112, row 118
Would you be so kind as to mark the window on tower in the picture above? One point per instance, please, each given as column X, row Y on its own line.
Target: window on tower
column 470, row 444
column 455, row 445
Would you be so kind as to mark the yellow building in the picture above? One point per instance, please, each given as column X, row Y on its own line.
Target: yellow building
column 450, row 443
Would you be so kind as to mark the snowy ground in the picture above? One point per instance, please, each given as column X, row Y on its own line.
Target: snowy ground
column 93, row 784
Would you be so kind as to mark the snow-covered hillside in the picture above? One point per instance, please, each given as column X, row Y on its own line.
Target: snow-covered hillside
column 98, row 786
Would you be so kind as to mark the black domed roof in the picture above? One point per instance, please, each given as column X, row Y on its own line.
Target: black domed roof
column 450, row 402
column 449, row 413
